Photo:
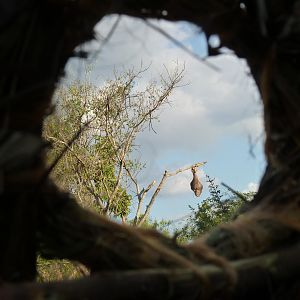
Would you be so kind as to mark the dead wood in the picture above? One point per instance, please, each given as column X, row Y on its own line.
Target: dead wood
column 272, row 270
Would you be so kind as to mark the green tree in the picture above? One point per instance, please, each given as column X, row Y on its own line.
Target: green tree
column 97, row 167
column 219, row 208
column 162, row 226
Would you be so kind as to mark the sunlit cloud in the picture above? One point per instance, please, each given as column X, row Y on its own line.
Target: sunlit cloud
column 251, row 187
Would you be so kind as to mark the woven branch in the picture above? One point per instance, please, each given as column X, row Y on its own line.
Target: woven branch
column 254, row 275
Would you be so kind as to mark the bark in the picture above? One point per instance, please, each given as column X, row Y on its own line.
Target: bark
column 272, row 271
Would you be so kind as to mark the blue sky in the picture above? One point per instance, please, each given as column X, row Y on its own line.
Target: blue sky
column 210, row 118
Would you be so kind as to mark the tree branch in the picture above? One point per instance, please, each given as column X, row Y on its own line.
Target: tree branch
column 141, row 197
column 158, row 189
column 62, row 153
column 197, row 165
column 181, row 45
column 256, row 276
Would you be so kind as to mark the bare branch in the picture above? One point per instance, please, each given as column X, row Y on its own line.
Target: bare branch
column 141, row 194
column 117, row 185
column 197, row 165
column 256, row 276
column 158, row 189
column 134, row 180
column 141, row 197
column 107, row 38
column 69, row 144
column 86, row 184
column 145, row 111
column 181, row 45
column 240, row 195
column 153, row 198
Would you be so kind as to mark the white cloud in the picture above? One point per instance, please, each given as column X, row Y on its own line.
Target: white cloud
column 212, row 105
column 251, row 187
column 180, row 184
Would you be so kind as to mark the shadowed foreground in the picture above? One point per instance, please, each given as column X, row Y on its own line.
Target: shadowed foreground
column 256, row 255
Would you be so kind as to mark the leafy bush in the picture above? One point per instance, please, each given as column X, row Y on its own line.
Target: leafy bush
column 217, row 209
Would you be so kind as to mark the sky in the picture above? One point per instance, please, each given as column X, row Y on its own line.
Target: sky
column 213, row 117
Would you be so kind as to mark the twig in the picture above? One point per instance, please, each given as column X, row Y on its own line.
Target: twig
column 240, row 195
column 137, row 188
column 141, row 194
column 91, row 190
column 181, row 46
column 66, row 145
column 133, row 131
column 180, row 218
column 197, row 165
column 257, row 276
column 108, row 37
column 141, row 197
column 158, row 189
column 62, row 153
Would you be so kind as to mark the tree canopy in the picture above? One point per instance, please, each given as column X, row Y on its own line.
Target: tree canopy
column 98, row 167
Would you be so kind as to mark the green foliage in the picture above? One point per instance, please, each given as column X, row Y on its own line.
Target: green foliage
column 97, row 168
column 162, row 226
column 59, row 269
column 217, row 209
column 88, row 169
